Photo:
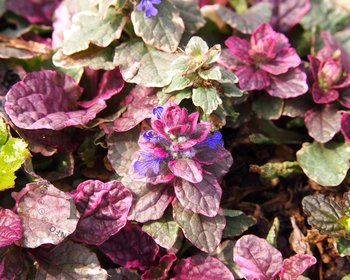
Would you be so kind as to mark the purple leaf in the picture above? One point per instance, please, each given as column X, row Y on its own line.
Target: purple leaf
column 139, row 104
column 68, row 260
column 103, row 209
column 203, row 232
column 288, row 85
column 187, row 169
column 35, row 11
column 48, row 100
column 131, row 248
column 48, row 214
column 294, row 266
column 148, row 201
column 251, row 78
column 14, row 264
column 160, row 272
column 323, row 122
column 202, row 198
column 256, row 258
column 288, row 13
column 111, row 84
column 283, row 61
column 222, row 166
column 201, row 268
column 345, row 125
column 10, row 227
column 239, row 48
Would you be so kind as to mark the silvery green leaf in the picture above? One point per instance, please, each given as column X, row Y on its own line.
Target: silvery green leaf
column 206, row 98
column 143, row 64
column 178, row 82
column 89, row 28
column 326, row 164
column 163, row 31
column 210, row 74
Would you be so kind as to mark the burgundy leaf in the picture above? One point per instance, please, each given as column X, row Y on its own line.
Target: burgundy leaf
column 48, row 100
column 187, row 169
column 13, row 264
column 35, row 11
column 48, row 214
column 148, row 201
column 202, row 198
column 288, row 13
column 160, row 272
column 256, row 258
column 111, row 83
column 103, row 209
column 201, row 268
column 288, row 85
column 294, row 266
column 68, row 260
column 10, row 227
column 139, row 104
column 222, row 166
column 345, row 125
column 131, row 248
column 323, row 122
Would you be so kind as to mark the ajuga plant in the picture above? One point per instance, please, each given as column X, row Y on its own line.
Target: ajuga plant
column 174, row 139
column 196, row 76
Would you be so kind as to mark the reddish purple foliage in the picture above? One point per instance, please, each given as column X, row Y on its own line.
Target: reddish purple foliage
column 201, row 268
column 48, row 100
column 294, row 266
column 103, row 209
column 268, row 62
column 160, row 272
column 10, row 227
column 131, row 248
column 35, row 11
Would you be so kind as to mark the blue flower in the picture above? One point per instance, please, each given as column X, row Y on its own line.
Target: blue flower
column 213, row 140
column 148, row 6
column 148, row 162
column 158, row 112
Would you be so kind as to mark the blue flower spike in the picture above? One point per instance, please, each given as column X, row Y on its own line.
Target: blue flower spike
column 150, row 10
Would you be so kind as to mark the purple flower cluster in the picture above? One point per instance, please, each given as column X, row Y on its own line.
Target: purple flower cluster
column 178, row 149
column 267, row 62
column 150, row 10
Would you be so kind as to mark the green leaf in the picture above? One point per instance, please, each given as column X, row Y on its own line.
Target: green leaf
column 343, row 246
column 203, row 232
column 224, row 252
column 206, row 98
column 190, row 14
column 268, row 107
column 103, row 6
column 94, row 57
column 346, row 277
column 163, row 31
column 326, row 16
column 326, row 164
column 273, row 232
column 236, row 223
column 323, row 213
column 143, row 64
column 2, row 7
column 273, row 170
column 12, row 155
column 227, row 77
column 164, row 231
column 88, row 27
column 210, row 74
column 3, row 132
column 179, row 82
column 268, row 133
column 239, row 5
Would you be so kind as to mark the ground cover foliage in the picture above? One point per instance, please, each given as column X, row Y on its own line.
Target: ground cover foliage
column 174, row 139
